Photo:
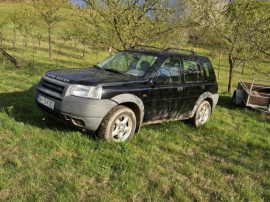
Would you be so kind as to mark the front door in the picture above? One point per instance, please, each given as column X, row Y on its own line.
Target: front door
column 164, row 97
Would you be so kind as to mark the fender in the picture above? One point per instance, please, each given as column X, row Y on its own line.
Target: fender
column 130, row 98
column 213, row 97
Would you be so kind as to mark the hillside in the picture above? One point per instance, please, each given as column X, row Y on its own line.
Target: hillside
column 228, row 159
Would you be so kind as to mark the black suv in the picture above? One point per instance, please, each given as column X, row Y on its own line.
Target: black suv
column 129, row 89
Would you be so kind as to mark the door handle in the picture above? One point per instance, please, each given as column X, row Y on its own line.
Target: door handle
column 179, row 89
column 203, row 87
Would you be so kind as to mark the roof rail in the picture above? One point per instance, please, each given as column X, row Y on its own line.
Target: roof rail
column 143, row 46
column 168, row 49
column 162, row 49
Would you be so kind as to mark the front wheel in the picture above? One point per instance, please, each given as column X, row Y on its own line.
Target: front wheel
column 202, row 114
column 118, row 125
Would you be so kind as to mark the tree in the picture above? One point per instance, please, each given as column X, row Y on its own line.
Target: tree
column 2, row 26
column 84, row 28
column 23, row 20
column 49, row 13
column 129, row 22
column 229, row 21
column 61, row 42
column 258, row 31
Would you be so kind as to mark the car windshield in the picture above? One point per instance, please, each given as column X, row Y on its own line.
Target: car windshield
column 129, row 63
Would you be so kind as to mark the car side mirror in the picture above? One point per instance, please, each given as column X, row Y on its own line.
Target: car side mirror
column 160, row 80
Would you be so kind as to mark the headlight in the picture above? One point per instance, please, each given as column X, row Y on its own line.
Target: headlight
column 86, row 91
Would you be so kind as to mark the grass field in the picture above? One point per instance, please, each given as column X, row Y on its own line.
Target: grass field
column 228, row 159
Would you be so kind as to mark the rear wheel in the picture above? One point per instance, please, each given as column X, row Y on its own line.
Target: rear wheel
column 202, row 114
column 118, row 125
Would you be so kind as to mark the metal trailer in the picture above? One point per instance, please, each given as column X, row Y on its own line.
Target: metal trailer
column 256, row 96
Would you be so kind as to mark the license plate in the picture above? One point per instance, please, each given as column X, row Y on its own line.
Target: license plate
column 45, row 101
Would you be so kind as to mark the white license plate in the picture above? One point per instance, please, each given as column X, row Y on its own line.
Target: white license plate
column 45, row 101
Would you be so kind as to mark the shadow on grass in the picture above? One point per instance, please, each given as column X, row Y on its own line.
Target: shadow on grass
column 226, row 101
column 22, row 107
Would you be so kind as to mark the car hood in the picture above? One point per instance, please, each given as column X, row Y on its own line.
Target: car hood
column 91, row 76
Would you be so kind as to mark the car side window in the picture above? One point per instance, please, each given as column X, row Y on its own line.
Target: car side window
column 192, row 72
column 209, row 71
column 171, row 68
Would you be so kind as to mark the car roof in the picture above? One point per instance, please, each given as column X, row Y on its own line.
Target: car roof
column 163, row 53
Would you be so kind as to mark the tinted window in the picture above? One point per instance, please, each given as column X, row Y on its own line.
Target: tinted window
column 192, row 72
column 209, row 71
column 171, row 68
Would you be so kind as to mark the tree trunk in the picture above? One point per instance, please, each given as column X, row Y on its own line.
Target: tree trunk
column 219, row 63
column 83, row 50
column 230, row 74
column 39, row 44
column 50, row 41
column 75, row 44
column 14, row 38
column 33, row 51
column 25, row 41
column 58, row 59
column 10, row 58
column 13, row 42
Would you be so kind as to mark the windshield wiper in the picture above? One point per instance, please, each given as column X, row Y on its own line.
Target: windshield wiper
column 115, row 71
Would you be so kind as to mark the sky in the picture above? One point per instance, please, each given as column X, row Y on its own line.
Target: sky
column 77, row 2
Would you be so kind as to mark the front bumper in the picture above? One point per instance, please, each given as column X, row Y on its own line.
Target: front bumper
column 83, row 113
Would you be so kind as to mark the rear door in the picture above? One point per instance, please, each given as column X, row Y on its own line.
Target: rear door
column 209, row 76
column 194, row 86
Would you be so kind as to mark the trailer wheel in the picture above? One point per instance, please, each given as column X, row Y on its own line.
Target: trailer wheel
column 238, row 96
column 234, row 97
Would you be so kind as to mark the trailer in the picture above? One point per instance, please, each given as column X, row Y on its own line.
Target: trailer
column 254, row 95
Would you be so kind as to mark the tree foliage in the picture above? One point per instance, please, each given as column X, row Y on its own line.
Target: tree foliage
column 49, row 13
column 24, row 21
column 239, row 26
column 128, row 22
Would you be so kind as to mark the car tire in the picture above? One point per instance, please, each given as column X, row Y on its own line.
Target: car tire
column 202, row 114
column 118, row 125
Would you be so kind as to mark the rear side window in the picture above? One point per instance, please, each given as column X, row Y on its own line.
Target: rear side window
column 208, row 71
column 192, row 72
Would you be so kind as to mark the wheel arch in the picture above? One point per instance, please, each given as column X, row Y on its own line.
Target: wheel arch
column 211, row 98
column 135, row 104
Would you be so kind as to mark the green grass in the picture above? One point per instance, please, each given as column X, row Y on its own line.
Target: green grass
column 228, row 159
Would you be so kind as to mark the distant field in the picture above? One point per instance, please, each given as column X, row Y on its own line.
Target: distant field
column 228, row 159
